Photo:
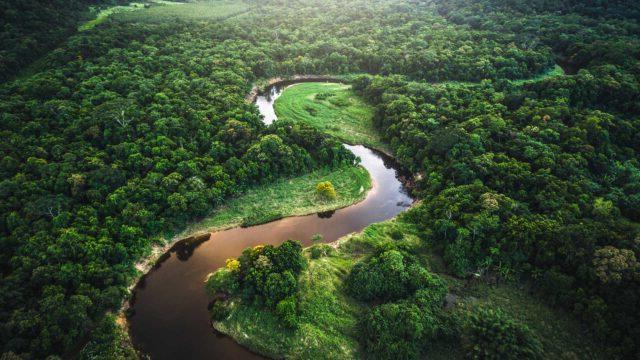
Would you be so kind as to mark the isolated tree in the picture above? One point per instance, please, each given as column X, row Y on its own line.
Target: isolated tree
column 326, row 191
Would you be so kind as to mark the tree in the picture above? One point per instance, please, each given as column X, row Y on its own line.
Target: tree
column 326, row 191
column 492, row 334
column 615, row 265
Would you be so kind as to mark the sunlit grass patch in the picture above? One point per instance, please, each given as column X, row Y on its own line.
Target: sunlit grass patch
column 288, row 197
column 202, row 10
column 331, row 108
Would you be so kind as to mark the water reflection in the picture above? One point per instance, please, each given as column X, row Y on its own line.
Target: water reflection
column 326, row 214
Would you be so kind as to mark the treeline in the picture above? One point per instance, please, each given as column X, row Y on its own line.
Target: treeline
column 388, row 37
column 31, row 28
column 538, row 180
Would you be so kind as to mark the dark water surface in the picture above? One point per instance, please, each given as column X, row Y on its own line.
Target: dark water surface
column 170, row 317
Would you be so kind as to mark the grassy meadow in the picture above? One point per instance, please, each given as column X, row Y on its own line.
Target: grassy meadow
column 331, row 108
column 197, row 11
column 287, row 197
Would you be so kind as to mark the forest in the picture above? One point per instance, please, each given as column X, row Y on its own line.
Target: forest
column 520, row 121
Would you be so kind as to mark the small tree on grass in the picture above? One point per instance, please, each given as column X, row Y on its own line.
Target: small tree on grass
column 326, row 191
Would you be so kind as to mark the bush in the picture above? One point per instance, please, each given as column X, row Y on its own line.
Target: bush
column 492, row 334
column 393, row 331
column 339, row 102
column 223, row 280
column 258, row 218
column 311, row 110
column 323, row 95
column 219, row 310
column 286, row 311
column 395, row 233
column 320, row 250
column 279, row 286
column 326, row 191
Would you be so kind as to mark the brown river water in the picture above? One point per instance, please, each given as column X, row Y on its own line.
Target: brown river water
column 170, row 318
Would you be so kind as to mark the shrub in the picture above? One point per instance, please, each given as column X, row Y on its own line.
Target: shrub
column 323, row 95
column 320, row 250
column 278, row 286
column 316, row 238
column 219, row 310
column 223, row 280
column 286, row 311
column 310, row 109
column 326, row 191
column 492, row 334
column 393, row 331
column 339, row 101
column 395, row 233
column 382, row 277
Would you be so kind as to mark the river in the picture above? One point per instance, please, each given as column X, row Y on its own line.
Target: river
column 169, row 305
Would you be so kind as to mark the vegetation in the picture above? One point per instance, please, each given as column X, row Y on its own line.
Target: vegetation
column 333, row 323
column 134, row 128
column 326, row 191
column 31, row 28
column 287, row 197
column 491, row 334
column 265, row 276
column 331, row 108
column 104, row 14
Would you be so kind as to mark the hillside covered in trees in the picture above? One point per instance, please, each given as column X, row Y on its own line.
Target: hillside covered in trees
column 520, row 121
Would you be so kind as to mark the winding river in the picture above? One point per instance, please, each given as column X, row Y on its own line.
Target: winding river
column 170, row 318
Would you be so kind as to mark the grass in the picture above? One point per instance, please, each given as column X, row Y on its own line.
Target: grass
column 104, row 14
column 207, row 10
column 331, row 108
column 555, row 71
column 328, row 317
column 210, row 10
column 287, row 197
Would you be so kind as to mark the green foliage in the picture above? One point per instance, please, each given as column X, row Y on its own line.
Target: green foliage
column 287, row 197
column 219, row 310
column 393, row 331
column 320, row 250
column 222, row 280
column 109, row 342
column 389, row 275
column 265, row 276
column 268, row 274
column 286, row 310
column 326, row 191
column 332, row 108
column 133, row 128
column 528, row 179
column 491, row 334
column 31, row 28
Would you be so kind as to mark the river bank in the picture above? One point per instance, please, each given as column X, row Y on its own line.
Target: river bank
column 291, row 197
column 168, row 309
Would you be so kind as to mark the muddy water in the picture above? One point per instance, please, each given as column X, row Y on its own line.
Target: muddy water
column 170, row 317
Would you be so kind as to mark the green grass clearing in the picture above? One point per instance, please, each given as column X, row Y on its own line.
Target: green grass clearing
column 104, row 14
column 332, row 108
column 287, row 197
column 199, row 11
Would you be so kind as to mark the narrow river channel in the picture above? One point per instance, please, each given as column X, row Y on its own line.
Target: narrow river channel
column 170, row 317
